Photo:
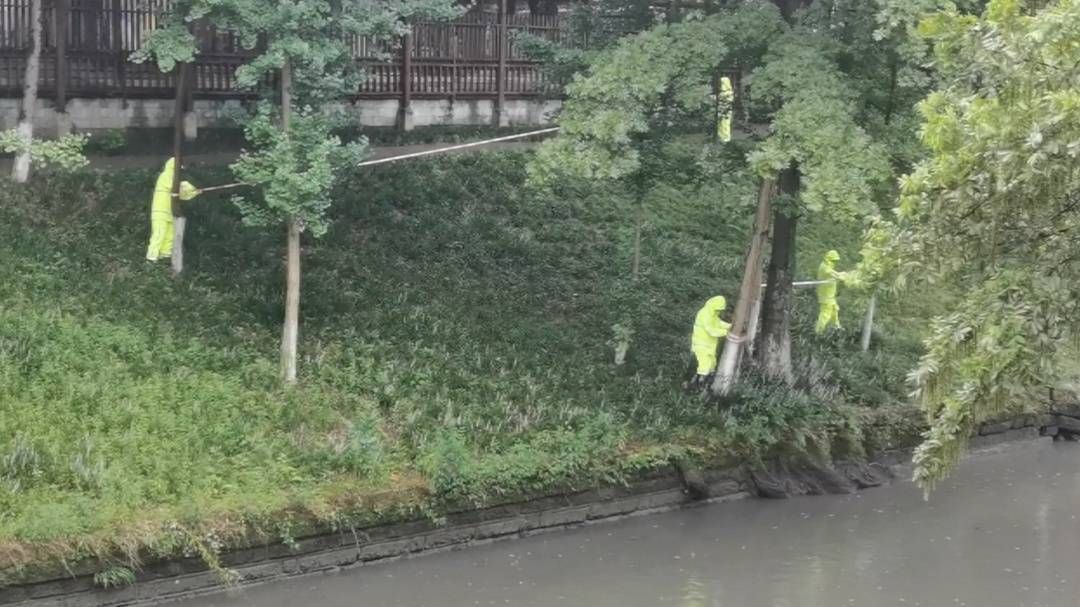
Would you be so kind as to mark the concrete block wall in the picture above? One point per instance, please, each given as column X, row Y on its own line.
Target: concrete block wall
column 88, row 115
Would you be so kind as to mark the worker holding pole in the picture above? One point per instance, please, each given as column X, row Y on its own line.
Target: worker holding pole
column 725, row 109
column 828, row 308
column 161, row 216
column 709, row 329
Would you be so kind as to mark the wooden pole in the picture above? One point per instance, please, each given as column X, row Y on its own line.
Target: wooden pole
column 500, row 84
column 727, row 370
column 405, row 111
column 868, row 323
column 60, row 14
column 118, row 47
column 752, row 329
column 453, row 65
column 291, row 329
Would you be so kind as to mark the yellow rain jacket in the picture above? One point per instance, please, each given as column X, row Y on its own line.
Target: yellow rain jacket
column 709, row 329
column 828, row 309
column 727, row 96
column 161, row 217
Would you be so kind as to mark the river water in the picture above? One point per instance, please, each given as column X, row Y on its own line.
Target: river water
column 1002, row 532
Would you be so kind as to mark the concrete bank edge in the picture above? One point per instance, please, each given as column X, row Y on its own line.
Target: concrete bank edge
column 185, row 578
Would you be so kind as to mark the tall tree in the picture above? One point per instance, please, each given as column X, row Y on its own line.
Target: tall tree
column 636, row 95
column 296, row 161
column 804, row 87
column 829, row 162
column 20, row 171
column 995, row 210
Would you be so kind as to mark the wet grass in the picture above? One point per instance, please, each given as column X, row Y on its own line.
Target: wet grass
column 455, row 349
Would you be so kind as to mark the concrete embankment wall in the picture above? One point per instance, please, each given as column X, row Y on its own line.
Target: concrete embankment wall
column 663, row 490
column 90, row 115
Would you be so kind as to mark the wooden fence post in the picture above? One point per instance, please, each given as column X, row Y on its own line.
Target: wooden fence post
column 61, row 16
column 118, row 46
column 499, row 115
column 405, row 111
column 453, row 65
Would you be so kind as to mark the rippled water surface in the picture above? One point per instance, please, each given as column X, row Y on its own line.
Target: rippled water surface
column 1002, row 531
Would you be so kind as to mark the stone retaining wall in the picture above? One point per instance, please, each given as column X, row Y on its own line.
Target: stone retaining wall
column 665, row 490
column 92, row 115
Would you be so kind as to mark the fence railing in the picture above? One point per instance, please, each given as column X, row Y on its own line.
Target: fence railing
column 88, row 46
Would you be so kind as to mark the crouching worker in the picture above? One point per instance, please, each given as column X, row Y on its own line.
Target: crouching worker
column 161, row 217
column 709, row 329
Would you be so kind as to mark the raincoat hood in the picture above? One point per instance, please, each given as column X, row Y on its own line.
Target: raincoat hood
column 716, row 304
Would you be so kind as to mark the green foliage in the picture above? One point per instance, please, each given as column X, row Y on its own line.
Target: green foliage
column 813, row 110
column 169, row 44
column 64, row 154
column 993, row 209
column 294, row 171
column 618, row 112
column 591, row 28
column 109, row 142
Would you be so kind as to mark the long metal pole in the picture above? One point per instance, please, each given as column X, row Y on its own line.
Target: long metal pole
column 461, row 146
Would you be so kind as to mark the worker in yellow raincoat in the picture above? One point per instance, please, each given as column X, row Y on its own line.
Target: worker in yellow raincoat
column 828, row 309
column 709, row 329
column 161, row 217
column 725, row 109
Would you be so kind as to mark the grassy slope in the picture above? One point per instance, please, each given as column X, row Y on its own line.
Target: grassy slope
column 454, row 333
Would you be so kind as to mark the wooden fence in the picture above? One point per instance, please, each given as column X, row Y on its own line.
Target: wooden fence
column 88, row 46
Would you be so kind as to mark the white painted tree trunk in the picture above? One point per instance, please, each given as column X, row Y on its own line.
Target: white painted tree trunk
column 291, row 330
column 179, row 223
column 868, row 323
column 20, row 171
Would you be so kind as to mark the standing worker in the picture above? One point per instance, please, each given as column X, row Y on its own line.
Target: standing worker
column 709, row 329
column 828, row 309
column 161, row 216
column 725, row 109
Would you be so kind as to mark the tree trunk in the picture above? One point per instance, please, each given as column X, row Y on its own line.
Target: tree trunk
column 291, row 330
column 179, row 221
column 635, row 268
column 727, row 369
column 775, row 351
column 21, row 169
column 868, row 323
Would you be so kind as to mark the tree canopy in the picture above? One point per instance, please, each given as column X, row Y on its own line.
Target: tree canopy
column 995, row 211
